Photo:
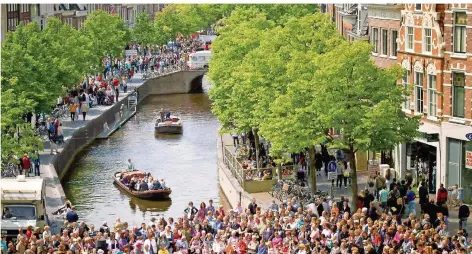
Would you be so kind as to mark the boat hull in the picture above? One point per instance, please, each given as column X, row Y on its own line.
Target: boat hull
column 149, row 195
column 169, row 129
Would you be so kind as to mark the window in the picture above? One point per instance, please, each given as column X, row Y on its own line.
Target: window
column 419, row 92
column 418, row 7
column 375, row 39
column 432, row 96
column 460, row 32
column 34, row 10
column 409, row 38
column 384, row 42
column 406, row 84
column 394, row 43
column 458, row 98
column 427, row 40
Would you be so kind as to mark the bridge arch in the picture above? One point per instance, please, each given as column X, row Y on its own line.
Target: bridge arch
column 196, row 84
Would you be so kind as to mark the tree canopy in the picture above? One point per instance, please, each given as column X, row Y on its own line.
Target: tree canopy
column 285, row 71
column 38, row 67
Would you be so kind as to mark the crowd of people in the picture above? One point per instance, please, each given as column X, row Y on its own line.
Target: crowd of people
column 280, row 228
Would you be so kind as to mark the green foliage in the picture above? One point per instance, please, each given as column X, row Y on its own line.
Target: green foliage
column 14, row 106
column 106, row 34
column 362, row 100
column 242, row 33
column 38, row 65
column 143, row 30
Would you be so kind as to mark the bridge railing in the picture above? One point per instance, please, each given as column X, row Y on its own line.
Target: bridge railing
column 161, row 71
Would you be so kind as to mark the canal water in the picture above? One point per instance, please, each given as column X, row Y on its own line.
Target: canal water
column 187, row 163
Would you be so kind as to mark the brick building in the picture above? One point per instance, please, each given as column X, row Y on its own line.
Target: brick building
column 384, row 23
column 455, row 137
column 421, row 54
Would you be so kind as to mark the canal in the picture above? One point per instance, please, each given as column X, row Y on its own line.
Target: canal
column 187, row 163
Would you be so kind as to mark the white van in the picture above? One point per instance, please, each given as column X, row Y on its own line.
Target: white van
column 22, row 204
column 199, row 59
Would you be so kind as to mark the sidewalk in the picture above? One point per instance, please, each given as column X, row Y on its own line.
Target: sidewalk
column 54, row 193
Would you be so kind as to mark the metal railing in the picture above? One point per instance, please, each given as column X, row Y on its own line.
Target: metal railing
column 248, row 174
column 233, row 165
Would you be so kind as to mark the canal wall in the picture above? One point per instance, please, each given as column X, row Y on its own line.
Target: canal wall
column 82, row 137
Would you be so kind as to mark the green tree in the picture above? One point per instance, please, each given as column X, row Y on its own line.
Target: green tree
column 17, row 136
column 106, row 34
column 241, row 34
column 279, row 72
column 143, row 30
column 363, row 101
column 25, row 61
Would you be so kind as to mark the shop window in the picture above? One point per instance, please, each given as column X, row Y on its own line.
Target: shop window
column 460, row 32
column 432, row 96
column 459, row 166
column 393, row 41
column 375, row 39
column 384, row 41
column 419, row 96
column 406, row 83
column 409, row 38
column 427, row 40
column 458, row 99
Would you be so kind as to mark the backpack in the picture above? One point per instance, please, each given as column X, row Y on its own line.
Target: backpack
column 51, row 128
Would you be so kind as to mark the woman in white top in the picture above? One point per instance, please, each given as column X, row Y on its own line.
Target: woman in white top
column 46, row 232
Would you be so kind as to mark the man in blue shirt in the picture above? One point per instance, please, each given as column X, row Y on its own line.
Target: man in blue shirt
column 410, row 200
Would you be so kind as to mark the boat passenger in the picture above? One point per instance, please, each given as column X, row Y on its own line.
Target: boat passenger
column 163, row 184
column 156, row 185
column 125, row 181
column 143, row 186
column 162, row 114
column 130, row 165
column 149, row 183
column 132, row 184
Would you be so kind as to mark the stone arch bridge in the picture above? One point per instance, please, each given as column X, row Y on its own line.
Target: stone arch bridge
column 189, row 81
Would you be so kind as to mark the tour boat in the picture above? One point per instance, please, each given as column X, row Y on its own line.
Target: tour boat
column 172, row 125
column 150, row 194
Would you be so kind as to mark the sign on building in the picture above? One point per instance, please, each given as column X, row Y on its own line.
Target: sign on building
column 468, row 159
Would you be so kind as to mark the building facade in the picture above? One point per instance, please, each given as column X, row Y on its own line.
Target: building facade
column 72, row 14
column 455, row 135
column 421, row 54
column 384, row 23
column 433, row 43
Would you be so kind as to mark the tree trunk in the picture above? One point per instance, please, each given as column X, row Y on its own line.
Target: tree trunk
column 311, row 154
column 352, row 164
column 279, row 171
column 256, row 141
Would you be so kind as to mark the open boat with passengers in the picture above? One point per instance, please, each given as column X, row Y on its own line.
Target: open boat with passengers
column 136, row 184
column 168, row 124
column 172, row 125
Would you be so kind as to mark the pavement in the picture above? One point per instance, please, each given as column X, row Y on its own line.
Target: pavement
column 322, row 182
column 55, row 196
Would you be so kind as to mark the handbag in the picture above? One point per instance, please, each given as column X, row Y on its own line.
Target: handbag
column 346, row 173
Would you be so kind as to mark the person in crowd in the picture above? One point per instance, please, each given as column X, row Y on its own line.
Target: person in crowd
column 73, row 109
column 463, row 215
column 72, row 215
column 441, row 197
